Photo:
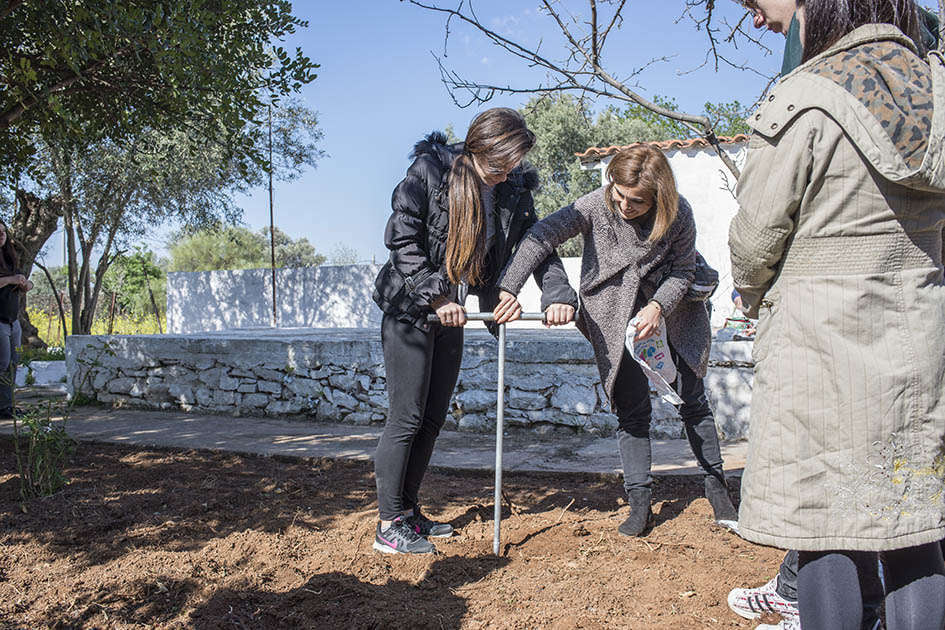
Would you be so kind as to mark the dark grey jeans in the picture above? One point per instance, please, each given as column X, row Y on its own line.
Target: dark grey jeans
column 422, row 368
column 9, row 341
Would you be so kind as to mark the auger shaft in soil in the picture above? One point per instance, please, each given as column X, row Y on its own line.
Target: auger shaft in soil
column 499, row 413
column 499, row 424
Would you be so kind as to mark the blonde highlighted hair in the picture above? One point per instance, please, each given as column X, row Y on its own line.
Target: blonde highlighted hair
column 496, row 142
column 645, row 167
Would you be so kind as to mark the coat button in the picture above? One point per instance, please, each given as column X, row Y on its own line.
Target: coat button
column 774, row 125
column 790, row 108
column 757, row 116
column 771, row 98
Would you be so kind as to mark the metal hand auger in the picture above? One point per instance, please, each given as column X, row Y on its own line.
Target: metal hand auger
column 500, row 411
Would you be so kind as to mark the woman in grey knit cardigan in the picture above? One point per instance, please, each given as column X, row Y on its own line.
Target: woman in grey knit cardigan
column 639, row 261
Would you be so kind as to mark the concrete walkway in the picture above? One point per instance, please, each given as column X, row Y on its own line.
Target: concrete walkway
column 523, row 451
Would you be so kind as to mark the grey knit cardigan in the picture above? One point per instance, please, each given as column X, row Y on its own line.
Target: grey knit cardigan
column 618, row 262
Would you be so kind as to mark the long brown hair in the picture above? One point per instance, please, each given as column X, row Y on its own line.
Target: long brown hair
column 497, row 141
column 9, row 261
column 644, row 166
column 826, row 21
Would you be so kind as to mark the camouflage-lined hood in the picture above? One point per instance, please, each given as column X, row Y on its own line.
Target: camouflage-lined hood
column 889, row 101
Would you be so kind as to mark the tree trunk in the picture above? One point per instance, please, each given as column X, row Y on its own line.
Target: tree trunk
column 32, row 225
column 941, row 25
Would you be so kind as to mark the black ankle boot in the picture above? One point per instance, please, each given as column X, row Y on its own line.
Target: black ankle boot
column 640, row 514
column 717, row 494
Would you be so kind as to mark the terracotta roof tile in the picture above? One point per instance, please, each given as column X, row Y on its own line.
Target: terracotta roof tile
column 596, row 153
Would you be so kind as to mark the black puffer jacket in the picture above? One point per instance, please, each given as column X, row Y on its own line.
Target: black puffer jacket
column 416, row 234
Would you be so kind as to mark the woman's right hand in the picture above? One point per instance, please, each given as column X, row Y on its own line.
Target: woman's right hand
column 451, row 314
column 20, row 280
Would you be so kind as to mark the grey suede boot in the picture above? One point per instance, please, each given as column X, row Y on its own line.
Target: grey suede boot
column 640, row 514
column 723, row 508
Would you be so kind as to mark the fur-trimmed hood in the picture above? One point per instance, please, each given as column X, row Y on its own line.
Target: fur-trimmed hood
column 435, row 145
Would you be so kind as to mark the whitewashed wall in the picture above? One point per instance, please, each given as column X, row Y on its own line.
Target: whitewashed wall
column 328, row 296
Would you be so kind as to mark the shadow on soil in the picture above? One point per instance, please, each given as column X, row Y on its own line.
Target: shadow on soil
column 120, row 499
column 342, row 600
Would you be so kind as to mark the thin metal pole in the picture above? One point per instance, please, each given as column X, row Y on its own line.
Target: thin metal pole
column 499, row 426
column 500, row 413
column 272, row 226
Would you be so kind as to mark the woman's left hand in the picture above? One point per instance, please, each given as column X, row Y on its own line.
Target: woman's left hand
column 648, row 321
column 558, row 314
column 508, row 309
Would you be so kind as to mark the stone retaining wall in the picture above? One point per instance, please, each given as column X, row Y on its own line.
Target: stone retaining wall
column 338, row 375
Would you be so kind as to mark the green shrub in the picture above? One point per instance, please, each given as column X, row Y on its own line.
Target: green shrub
column 42, row 449
column 27, row 355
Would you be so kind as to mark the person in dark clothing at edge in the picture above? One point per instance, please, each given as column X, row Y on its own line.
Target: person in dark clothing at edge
column 457, row 216
column 779, row 595
column 12, row 285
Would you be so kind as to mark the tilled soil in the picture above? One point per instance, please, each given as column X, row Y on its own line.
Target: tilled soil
column 145, row 538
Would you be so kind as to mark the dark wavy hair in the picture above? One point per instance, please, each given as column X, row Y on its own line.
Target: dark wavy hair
column 827, row 21
column 9, row 261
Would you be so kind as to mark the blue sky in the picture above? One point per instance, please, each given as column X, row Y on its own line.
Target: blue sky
column 379, row 90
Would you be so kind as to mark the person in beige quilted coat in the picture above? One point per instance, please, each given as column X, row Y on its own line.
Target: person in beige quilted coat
column 837, row 248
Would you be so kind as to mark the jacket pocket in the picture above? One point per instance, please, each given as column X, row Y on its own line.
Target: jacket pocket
column 389, row 289
column 766, row 329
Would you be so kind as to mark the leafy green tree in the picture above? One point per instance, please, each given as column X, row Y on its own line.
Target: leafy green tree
column 84, row 70
column 42, row 295
column 120, row 191
column 188, row 81
column 129, row 278
column 728, row 119
column 236, row 247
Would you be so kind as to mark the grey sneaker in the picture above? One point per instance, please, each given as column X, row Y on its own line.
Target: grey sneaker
column 401, row 538
column 427, row 528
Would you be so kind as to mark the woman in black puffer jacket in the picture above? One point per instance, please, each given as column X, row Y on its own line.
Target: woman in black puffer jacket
column 457, row 217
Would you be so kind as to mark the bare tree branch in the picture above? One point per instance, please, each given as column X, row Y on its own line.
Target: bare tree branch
column 616, row 20
column 941, row 25
column 595, row 51
column 11, row 5
column 581, row 71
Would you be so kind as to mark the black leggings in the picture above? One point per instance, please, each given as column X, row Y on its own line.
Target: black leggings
column 829, row 594
column 422, row 368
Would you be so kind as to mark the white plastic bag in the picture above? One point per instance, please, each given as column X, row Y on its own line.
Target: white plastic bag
column 653, row 356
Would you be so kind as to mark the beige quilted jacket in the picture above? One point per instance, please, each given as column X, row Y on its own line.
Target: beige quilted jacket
column 837, row 248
